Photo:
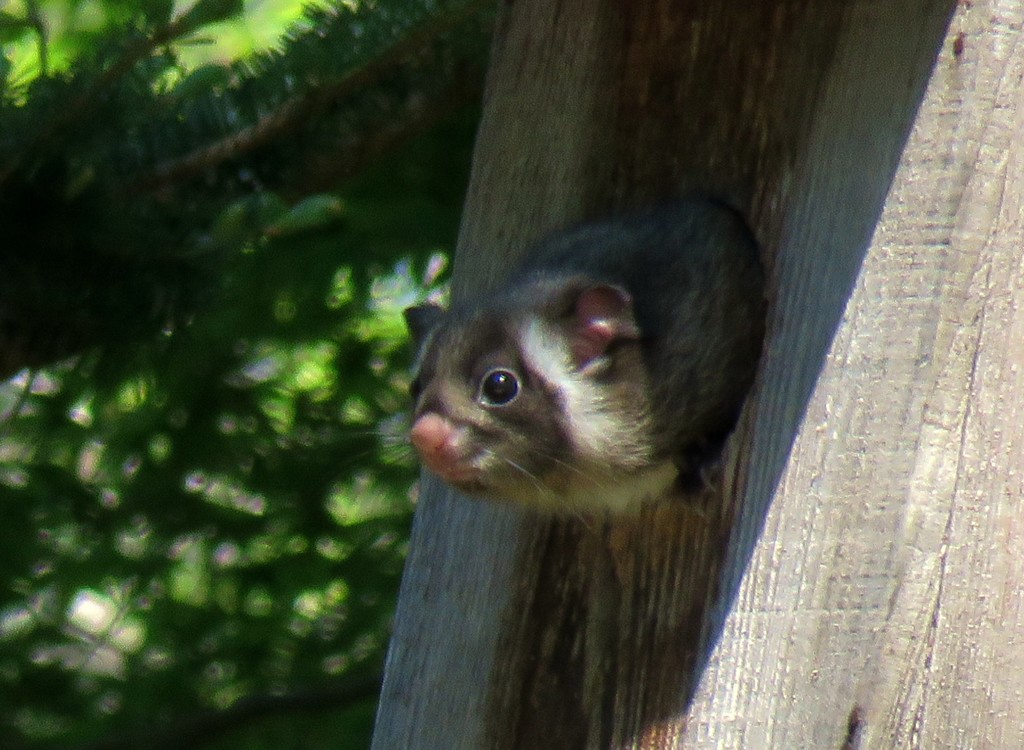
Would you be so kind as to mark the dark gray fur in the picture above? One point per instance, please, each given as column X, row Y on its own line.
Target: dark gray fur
column 697, row 287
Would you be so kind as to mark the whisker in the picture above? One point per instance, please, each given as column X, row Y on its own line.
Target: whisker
column 595, row 477
column 569, row 466
column 528, row 474
column 350, row 460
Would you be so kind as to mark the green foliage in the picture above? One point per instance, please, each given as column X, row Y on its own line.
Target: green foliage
column 115, row 173
column 204, row 487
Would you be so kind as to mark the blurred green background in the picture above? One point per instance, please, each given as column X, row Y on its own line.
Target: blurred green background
column 205, row 488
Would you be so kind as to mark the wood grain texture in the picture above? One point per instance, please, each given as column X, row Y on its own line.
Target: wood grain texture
column 515, row 631
column 889, row 581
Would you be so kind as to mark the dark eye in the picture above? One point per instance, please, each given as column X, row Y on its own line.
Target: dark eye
column 499, row 387
column 415, row 389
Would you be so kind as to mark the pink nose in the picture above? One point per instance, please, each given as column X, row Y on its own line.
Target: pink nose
column 437, row 441
column 430, row 433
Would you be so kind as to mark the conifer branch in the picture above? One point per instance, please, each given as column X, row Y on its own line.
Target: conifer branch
column 92, row 95
column 100, row 251
column 297, row 111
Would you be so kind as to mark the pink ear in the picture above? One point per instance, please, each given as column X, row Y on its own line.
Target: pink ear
column 603, row 314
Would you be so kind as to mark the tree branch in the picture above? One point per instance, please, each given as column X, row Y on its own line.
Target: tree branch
column 295, row 113
column 198, row 730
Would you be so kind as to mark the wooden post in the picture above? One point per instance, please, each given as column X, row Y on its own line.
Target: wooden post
column 516, row 631
column 887, row 591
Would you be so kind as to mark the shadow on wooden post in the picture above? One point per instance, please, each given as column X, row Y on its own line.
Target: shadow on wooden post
column 516, row 631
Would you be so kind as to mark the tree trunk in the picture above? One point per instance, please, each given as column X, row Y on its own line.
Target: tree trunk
column 518, row 631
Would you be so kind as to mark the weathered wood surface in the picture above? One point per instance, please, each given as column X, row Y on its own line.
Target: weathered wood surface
column 888, row 586
column 520, row 632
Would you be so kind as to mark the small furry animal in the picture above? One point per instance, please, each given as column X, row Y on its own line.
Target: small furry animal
column 609, row 368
